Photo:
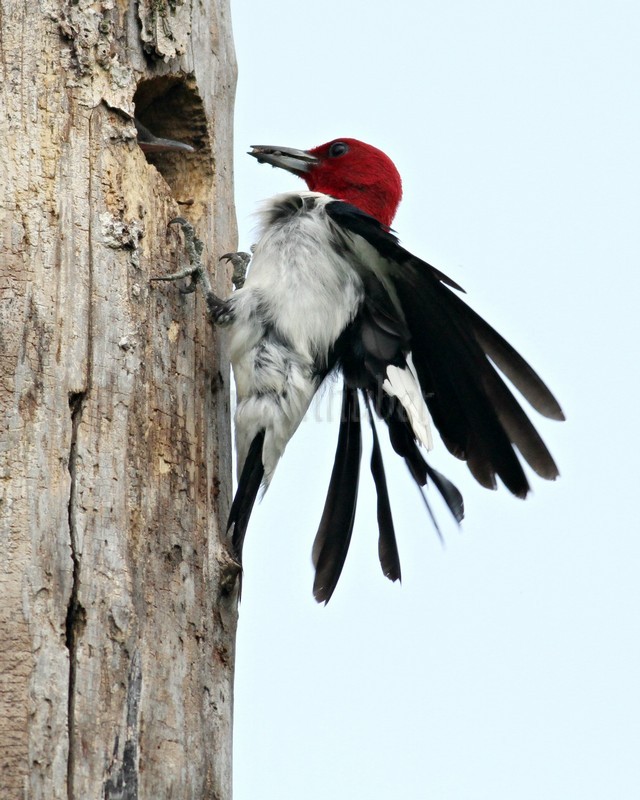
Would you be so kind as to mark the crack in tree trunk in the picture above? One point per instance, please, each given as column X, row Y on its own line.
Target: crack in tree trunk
column 76, row 616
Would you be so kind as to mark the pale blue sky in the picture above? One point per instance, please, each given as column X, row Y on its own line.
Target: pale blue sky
column 507, row 665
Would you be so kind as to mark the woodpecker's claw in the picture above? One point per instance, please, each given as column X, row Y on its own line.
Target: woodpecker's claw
column 194, row 247
column 187, row 272
column 217, row 308
column 240, row 263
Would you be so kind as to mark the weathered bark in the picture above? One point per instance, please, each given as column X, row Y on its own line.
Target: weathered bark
column 117, row 606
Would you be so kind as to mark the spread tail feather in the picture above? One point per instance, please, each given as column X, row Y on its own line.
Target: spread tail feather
column 334, row 534
column 449, row 492
column 246, row 493
column 402, row 438
column 387, row 545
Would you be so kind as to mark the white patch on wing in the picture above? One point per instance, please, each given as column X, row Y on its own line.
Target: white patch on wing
column 402, row 382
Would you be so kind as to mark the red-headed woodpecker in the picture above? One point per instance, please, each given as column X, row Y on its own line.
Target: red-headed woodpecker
column 330, row 290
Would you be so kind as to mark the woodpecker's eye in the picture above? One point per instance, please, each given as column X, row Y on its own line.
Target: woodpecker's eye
column 338, row 149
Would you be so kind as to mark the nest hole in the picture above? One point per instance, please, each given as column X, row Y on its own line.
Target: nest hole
column 171, row 108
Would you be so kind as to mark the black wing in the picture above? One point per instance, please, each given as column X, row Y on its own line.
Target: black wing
column 476, row 414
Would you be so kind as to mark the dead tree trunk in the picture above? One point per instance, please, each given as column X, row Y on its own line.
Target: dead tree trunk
column 117, row 612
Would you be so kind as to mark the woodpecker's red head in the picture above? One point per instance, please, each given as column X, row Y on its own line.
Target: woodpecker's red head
column 346, row 169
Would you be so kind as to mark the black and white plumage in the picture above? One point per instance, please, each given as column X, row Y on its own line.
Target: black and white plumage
column 330, row 290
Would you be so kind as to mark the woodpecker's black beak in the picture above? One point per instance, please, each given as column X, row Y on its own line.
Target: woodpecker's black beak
column 296, row 161
column 153, row 144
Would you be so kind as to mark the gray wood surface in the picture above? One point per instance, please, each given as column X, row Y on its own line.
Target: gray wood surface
column 117, row 606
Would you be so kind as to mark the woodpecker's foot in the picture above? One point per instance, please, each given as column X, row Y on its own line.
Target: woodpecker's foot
column 217, row 309
column 240, row 263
